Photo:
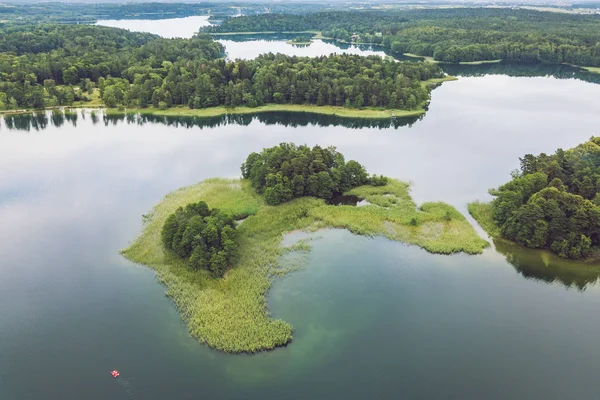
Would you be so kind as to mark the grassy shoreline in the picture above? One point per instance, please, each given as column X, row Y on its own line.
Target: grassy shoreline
column 230, row 314
column 482, row 213
column 366, row 112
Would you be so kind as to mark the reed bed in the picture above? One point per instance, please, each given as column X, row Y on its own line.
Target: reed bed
column 230, row 314
column 483, row 214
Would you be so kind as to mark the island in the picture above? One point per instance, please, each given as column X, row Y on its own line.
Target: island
column 300, row 41
column 139, row 72
column 283, row 189
column 552, row 202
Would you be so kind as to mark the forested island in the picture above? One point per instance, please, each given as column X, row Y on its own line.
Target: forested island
column 56, row 65
column 553, row 202
column 450, row 34
column 222, row 297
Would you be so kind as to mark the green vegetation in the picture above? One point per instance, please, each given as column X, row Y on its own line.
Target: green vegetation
column 553, row 202
column 230, row 313
column 205, row 238
column 365, row 112
column 349, row 81
column 45, row 66
column 86, row 12
column 595, row 70
column 300, row 40
column 449, row 34
column 55, row 65
column 287, row 171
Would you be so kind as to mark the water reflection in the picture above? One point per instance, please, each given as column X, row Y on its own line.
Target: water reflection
column 57, row 118
column 520, row 69
column 546, row 267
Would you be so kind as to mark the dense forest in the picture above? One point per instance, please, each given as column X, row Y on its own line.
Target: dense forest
column 80, row 12
column 337, row 80
column 450, row 35
column 54, row 65
column 204, row 238
column 553, row 201
column 49, row 65
column 287, row 171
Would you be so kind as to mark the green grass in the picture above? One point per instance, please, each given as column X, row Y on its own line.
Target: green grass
column 483, row 214
column 300, row 108
column 230, row 314
column 595, row 70
column 432, row 60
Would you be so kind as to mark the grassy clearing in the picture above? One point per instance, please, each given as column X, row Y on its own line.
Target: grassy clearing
column 482, row 212
column 230, row 314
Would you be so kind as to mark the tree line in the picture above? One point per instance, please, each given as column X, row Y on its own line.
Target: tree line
column 54, row 65
column 335, row 80
column 450, row 35
column 287, row 171
column 204, row 238
column 553, row 201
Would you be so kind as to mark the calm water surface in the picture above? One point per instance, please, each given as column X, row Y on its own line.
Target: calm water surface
column 373, row 318
column 169, row 28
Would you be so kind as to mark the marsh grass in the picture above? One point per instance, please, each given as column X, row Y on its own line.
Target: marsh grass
column 483, row 214
column 230, row 314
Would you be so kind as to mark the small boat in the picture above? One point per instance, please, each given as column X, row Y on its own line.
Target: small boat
column 115, row 373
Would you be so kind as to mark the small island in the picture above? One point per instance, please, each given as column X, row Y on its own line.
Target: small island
column 300, row 41
column 552, row 202
column 283, row 189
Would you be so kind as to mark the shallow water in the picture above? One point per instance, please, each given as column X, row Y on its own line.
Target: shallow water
column 372, row 318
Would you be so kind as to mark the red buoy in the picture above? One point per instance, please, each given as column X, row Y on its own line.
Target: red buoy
column 115, row 373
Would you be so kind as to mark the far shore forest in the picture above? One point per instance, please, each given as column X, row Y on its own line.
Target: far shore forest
column 51, row 64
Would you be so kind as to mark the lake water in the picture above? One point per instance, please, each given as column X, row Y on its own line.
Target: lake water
column 169, row 28
column 373, row 318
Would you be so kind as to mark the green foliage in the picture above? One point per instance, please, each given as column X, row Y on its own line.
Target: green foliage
column 206, row 238
column 230, row 314
column 551, row 203
column 287, row 171
column 449, row 34
column 40, row 64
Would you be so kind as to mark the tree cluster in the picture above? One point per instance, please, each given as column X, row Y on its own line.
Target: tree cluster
column 553, row 201
column 287, row 171
column 335, row 80
column 51, row 65
column 203, row 237
column 450, row 35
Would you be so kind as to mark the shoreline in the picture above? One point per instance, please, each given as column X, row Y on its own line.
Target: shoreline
column 319, row 35
column 482, row 214
column 182, row 111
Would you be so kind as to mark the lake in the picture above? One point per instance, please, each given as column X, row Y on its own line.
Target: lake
column 373, row 318
column 170, row 28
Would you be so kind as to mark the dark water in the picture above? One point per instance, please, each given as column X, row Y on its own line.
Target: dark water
column 372, row 318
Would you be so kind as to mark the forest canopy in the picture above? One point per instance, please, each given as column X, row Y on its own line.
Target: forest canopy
column 450, row 34
column 336, row 80
column 287, row 171
column 55, row 65
column 204, row 238
column 553, row 202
